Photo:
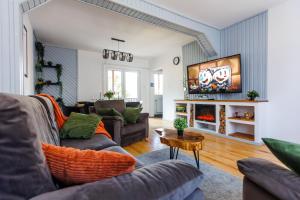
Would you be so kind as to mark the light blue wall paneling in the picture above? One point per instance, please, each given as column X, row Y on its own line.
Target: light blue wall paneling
column 248, row 38
column 68, row 59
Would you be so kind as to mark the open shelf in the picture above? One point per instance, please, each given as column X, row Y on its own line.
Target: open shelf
column 181, row 113
column 243, row 136
column 241, row 120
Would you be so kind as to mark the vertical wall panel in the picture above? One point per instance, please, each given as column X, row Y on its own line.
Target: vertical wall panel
column 248, row 38
column 68, row 59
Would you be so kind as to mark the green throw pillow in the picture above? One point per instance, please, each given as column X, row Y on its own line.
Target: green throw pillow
column 288, row 153
column 108, row 112
column 80, row 126
column 131, row 115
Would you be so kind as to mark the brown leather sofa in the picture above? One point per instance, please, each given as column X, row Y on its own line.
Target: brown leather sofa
column 123, row 134
column 265, row 180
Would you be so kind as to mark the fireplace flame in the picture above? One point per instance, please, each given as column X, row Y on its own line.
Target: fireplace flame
column 209, row 118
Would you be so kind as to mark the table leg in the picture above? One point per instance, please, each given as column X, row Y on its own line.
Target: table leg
column 174, row 152
column 177, row 153
column 196, row 155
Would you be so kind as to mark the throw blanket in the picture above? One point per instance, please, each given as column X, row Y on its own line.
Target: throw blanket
column 61, row 118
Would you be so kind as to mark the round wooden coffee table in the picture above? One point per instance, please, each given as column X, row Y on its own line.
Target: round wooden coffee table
column 190, row 141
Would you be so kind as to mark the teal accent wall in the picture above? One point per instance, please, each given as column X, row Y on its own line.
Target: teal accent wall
column 248, row 38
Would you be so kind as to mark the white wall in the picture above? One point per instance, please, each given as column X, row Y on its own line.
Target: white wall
column 172, row 81
column 29, row 80
column 11, row 70
column 91, row 79
column 90, row 75
column 283, row 71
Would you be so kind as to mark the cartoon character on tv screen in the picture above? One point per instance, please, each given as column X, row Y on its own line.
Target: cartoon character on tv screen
column 205, row 79
column 222, row 77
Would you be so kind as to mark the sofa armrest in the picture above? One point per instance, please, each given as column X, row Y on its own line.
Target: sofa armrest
column 174, row 180
column 114, row 125
column 278, row 181
column 143, row 117
column 92, row 109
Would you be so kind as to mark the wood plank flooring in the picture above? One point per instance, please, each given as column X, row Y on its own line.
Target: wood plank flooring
column 220, row 152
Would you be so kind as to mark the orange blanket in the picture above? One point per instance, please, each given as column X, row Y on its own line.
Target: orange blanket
column 61, row 118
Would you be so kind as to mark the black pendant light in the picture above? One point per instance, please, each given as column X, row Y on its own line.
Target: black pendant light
column 117, row 55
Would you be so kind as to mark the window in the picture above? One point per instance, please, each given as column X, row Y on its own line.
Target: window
column 114, row 78
column 123, row 83
column 131, row 85
column 158, row 84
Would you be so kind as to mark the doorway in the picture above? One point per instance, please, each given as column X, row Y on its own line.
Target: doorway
column 158, row 93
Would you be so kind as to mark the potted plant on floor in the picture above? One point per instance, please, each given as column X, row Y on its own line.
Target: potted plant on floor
column 180, row 124
column 252, row 95
column 109, row 94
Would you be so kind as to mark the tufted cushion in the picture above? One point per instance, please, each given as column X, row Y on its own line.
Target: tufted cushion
column 74, row 166
column 23, row 171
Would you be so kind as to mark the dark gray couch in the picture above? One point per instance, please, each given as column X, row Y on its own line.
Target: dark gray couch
column 123, row 134
column 265, row 180
column 25, row 122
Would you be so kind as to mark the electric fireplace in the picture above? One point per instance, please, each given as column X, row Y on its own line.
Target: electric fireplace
column 205, row 112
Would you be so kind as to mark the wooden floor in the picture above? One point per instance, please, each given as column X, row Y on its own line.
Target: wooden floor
column 221, row 152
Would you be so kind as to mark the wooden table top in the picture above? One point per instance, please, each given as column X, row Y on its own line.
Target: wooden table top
column 189, row 141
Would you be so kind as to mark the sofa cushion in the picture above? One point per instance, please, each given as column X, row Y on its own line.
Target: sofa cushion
column 97, row 142
column 168, row 180
column 80, row 126
column 278, row 181
column 23, row 171
column 288, row 153
column 119, row 105
column 133, row 128
column 131, row 115
column 119, row 149
column 73, row 166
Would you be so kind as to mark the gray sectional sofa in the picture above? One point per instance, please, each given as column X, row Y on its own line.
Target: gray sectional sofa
column 25, row 122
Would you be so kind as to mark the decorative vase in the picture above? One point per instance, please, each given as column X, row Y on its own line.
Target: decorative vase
column 252, row 98
column 179, row 133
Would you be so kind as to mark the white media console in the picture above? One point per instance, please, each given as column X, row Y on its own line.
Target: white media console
column 237, row 119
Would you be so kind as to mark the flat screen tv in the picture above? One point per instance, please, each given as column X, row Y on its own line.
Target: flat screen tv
column 221, row 75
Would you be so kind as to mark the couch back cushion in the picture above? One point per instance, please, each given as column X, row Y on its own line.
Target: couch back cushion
column 119, row 105
column 23, row 170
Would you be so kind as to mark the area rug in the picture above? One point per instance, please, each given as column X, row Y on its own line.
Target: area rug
column 216, row 184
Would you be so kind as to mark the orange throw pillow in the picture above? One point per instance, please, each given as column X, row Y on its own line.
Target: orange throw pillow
column 73, row 166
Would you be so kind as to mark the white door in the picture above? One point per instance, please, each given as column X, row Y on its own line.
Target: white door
column 158, row 93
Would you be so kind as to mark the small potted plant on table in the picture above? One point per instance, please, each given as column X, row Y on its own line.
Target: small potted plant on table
column 252, row 95
column 180, row 124
column 109, row 94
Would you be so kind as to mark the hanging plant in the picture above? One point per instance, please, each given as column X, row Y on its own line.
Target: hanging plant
column 38, row 67
column 58, row 71
column 40, row 51
column 49, row 63
column 60, row 88
column 39, row 85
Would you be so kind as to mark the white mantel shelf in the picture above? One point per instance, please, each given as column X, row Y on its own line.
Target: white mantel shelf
column 229, row 101
column 249, row 131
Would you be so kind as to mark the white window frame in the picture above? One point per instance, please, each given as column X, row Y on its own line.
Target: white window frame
column 123, row 71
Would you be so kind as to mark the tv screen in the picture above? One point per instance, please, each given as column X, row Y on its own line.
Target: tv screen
column 222, row 75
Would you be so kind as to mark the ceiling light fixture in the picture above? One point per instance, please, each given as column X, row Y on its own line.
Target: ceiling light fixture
column 117, row 55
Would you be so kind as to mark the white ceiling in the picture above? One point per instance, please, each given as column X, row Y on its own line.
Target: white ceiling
column 216, row 13
column 71, row 24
